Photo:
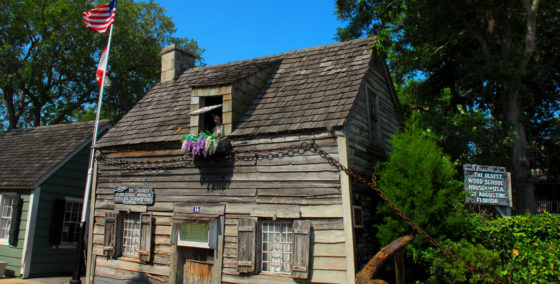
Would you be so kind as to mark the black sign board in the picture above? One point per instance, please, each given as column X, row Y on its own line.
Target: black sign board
column 134, row 195
column 489, row 185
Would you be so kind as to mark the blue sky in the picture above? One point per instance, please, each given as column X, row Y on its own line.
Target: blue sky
column 241, row 29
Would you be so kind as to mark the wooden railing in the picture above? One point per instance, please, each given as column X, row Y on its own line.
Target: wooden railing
column 551, row 206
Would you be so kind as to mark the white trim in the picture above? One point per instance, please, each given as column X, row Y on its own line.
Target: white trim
column 6, row 242
column 33, row 207
column 346, row 191
column 68, row 158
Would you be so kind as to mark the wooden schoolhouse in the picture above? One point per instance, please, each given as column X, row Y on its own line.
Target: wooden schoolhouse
column 268, row 206
column 42, row 178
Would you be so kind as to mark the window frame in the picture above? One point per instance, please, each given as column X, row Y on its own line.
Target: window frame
column 70, row 244
column 13, row 196
column 260, row 246
column 212, row 238
column 137, row 226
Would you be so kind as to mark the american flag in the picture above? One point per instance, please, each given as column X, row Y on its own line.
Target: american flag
column 100, row 18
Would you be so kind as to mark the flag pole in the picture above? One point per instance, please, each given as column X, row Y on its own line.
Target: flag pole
column 87, row 191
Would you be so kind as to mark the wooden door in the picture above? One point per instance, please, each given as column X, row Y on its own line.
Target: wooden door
column 197, row 272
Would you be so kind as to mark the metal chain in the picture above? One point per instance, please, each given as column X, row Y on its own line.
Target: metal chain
column 289, row 151
column 373, row 184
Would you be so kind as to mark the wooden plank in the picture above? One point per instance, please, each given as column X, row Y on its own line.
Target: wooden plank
column 230, row 230
column 162, row 240
column 236, row 208
column 321, row 211
column 163, row 249
column 329, row 249
column 328, row 276
column 297, row 192
column 132, row 266
column 327, row 224
column 329, row 263
column 298, row 201
column 163, row 230
column 205, row 208
column 328, row 236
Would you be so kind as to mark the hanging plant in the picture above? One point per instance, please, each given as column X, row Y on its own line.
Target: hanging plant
column 205, row 144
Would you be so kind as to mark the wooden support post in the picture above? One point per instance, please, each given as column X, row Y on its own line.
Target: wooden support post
column 399, row 266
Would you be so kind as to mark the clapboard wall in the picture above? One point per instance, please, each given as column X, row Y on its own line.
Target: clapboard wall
column 304, row 184
column 365, row 150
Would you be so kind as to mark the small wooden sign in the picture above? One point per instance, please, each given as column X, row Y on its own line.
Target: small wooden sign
column 488, row 185
column 134, row 195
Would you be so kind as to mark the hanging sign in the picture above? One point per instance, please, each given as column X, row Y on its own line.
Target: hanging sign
column 488, row 185
column 134, row 195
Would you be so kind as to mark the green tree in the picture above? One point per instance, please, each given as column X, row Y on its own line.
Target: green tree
column 419, row 179
column 48, row 59
column 498, row 58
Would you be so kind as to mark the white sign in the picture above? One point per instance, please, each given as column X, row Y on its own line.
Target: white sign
column 489, row 185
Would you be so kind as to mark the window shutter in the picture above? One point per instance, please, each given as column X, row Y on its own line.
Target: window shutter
column 246, row 245
column 119, row 231
column 14, row 223
column 57, row 221
column 302, row 232
column 145, row 245
column 110, row 234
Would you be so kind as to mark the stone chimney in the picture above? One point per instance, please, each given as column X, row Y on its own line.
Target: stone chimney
column 174, row 61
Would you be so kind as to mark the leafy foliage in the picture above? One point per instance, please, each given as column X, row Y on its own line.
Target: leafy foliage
column 495, row 62
column 529, row 245
column 48, row 59
column 419, row 179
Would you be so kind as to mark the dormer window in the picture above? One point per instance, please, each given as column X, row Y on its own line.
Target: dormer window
column 213, row 106
column 206, row 103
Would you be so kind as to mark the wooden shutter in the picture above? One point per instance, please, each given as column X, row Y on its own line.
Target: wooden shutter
column 246, row 245
column 302, row 232
column 57, row 222
column 110, row 233
column 14, row 223
column 145, row 245
column 119, row 231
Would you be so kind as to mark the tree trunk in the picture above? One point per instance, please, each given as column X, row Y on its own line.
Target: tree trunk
column 522, row 185
column 7, row 99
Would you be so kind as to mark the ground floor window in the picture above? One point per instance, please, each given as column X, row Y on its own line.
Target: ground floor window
column 6, row 207
column 71, row 223
column 131, row 234
column 277, row 246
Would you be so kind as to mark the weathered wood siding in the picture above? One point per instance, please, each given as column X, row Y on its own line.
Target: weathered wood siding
column 302, row 185
column 68, row 181
column 363, row 151
column 10, row 254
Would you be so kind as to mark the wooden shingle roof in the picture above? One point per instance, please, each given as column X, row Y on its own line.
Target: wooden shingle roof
column 28, row 155
column 311, row 88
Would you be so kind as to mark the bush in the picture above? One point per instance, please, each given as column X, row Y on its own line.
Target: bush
column 419, row 179
column 529, row 245
column 444, row 270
